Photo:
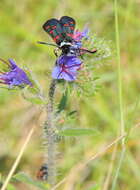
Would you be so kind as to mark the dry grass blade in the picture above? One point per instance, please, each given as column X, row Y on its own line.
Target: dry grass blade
column 110, row 168
column 18, row 158
column 83, row 164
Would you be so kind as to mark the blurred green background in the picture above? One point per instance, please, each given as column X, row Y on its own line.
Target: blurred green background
column 20, row 28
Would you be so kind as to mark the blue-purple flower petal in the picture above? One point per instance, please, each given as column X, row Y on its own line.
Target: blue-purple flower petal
column 15, row 76
column 12, row 63
column 79, row 35
column 66, row 68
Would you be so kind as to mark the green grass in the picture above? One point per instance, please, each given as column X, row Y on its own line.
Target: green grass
column 120, row 89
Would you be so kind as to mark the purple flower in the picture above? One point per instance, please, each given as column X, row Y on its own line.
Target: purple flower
column 66, row 68
column 15, row 76
column 77, row 36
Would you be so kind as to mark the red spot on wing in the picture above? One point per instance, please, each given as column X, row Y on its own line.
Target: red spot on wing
column 47, row 27
column 71, row 27
column 70, row 35
column 66, row 24
column 51, row 32
column 53, row 27
column 56, row 38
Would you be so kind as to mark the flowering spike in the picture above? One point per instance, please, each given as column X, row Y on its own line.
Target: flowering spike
column 15, row 76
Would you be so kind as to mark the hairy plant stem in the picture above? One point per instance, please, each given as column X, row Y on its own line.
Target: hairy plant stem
column 49, row 136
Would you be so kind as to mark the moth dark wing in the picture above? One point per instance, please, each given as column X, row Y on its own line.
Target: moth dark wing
column 68, row 25
column 43, row 173
column 54, row 29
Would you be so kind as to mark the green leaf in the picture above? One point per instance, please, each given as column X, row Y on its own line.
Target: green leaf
column 77, row 132
column 35, row 100
column 34, row 97
column 96, row 78
column 10, row 187
column 26, row 179
column 95, row 187
column 72, row 113
column 63, row 102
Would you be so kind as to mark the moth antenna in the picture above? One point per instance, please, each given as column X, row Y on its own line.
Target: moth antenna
column 47, row 44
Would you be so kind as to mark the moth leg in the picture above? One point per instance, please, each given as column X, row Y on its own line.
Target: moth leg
column 56, row 52
column 81, row 54
column 82, row 57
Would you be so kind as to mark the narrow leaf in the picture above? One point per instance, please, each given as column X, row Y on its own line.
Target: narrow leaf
column 10, row 187
column 95, row 187
column 77, row 132
column 63, row 102
column 72, row 113
column 35, row 100
column 26, row 179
